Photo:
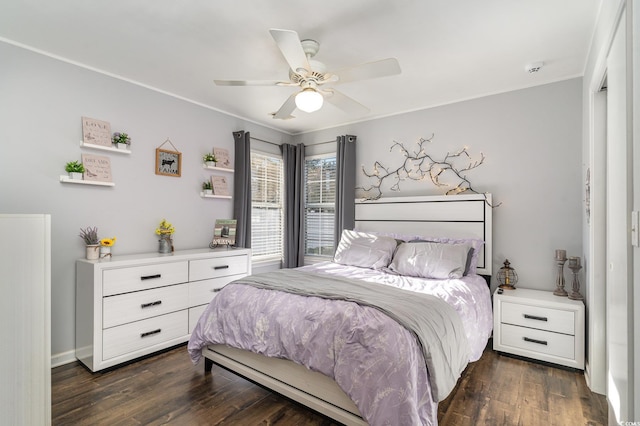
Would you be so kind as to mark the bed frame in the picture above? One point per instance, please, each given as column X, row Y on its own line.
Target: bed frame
column 459, row 216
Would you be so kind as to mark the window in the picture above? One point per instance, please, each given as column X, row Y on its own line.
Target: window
column 319, row 205
column 267, row 212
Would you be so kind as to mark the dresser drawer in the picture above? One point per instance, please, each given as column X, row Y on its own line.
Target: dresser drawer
column 202, row 292
column 129, row 307
column 142, row 334
column 556, row 320
column 543, row 342
column 124, row 280
column 218, row 267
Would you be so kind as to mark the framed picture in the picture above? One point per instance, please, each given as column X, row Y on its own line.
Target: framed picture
column 168, row 163
column 224, row 233
column 96, row 132
column 96, row 167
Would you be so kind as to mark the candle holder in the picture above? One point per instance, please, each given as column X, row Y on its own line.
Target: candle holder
column 574, row 265
column 560, row 261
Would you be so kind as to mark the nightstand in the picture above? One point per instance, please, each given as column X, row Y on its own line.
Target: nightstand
column 537, row 324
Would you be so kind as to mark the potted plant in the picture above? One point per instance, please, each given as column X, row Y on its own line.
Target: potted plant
column 75, row 169
column 207, row 188
column 121, row 140
column 209, row 159
column 90, row 237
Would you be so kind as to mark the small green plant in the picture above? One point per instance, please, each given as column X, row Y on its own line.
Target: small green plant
column 206, row 184
column 90, row 235
column 74, row 167
column 209, row 157
column 121, row 138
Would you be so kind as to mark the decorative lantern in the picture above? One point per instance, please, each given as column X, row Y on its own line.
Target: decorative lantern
column 507, row 276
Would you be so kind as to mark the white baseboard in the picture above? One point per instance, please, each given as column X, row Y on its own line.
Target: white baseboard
column 63, row 358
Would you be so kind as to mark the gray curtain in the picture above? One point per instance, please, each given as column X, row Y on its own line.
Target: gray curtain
column 345, row 184
column 242, row 188
column 293, row 161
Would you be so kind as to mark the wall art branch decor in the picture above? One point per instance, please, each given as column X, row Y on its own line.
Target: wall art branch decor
column 419, row 165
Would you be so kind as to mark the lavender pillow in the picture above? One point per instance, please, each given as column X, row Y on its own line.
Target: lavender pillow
column 475, row 243
column 364, row 250
column 431, row 260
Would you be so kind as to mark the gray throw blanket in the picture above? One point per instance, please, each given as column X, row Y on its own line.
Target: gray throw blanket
column 435, row 324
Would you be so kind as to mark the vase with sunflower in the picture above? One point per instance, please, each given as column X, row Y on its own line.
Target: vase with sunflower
column 105, row 247
column 165, row 230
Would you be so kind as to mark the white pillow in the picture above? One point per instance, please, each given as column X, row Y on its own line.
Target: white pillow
column 364, row 250
column 431, row 260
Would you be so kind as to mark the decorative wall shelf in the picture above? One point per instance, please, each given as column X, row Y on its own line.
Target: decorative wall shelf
column 228, row 197
column 105, row 148
column 220, row 169
column 67, row 179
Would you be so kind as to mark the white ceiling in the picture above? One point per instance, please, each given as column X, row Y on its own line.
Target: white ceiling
column 448, row 50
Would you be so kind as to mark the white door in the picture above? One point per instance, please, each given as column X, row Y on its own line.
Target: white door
column 618, row 241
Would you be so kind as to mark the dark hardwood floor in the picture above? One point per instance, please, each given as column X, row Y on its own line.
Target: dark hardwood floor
column 167, row 389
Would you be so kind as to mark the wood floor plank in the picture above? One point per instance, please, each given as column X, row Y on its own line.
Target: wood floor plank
column 166, row 389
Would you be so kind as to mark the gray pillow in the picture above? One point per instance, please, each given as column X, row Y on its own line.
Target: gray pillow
column 364, row 250
column 431, row 260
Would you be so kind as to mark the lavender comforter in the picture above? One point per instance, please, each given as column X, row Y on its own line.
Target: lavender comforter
column 377, row 362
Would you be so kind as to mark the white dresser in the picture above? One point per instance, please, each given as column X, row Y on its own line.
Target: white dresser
column 25, row 319
column 130, row 306
column 537, row 324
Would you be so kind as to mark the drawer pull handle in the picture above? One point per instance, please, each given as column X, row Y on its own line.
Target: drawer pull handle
column 150, row 304
column 215, row 290
column 533, row 317
column 150, row 333
column 150, row 277
column 540, row 342
column 221, row 267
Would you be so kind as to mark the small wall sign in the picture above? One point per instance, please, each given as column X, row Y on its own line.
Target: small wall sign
column 97, row 167
column 168, row 163
column 96, row 132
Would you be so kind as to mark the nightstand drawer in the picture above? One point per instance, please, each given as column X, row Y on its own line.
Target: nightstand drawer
column 538, row 317
column 544, row 342
column 218, row 267
column 123, row 280
column 143, row 334
column 129, row 307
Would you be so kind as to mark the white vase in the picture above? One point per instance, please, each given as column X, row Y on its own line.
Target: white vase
column 93, row 251
column 210, row 163
column 104, row 250
column 75, row 175
column 208, row 192
column 122, row 145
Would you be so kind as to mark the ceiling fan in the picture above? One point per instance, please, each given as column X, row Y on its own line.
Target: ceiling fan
column 310, row 75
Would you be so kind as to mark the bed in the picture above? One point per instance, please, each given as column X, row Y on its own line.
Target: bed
column 373, row 337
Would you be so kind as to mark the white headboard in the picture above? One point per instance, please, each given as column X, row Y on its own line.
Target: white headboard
column 455, row 216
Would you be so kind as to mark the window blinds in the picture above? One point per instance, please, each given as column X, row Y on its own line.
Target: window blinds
column 267, row 202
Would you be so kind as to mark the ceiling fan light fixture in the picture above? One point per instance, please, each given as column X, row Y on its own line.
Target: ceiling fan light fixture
column 309, row 100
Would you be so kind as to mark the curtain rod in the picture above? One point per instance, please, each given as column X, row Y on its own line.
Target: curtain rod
column 277, row 144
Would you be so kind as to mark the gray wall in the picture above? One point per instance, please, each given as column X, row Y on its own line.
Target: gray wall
column 531, row 139
column 42, row 101
column 532, row 142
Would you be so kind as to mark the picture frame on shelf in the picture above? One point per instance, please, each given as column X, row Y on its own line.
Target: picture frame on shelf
column 96, row 132
column 222, row 157
column 220, row 185
column 97, row 168
column 168, row 163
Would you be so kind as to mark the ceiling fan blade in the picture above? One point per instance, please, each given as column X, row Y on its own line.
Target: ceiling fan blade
column 247, row 82
column 382, row 68
column 284, row 113
column 345, row 103
column 289, row 44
